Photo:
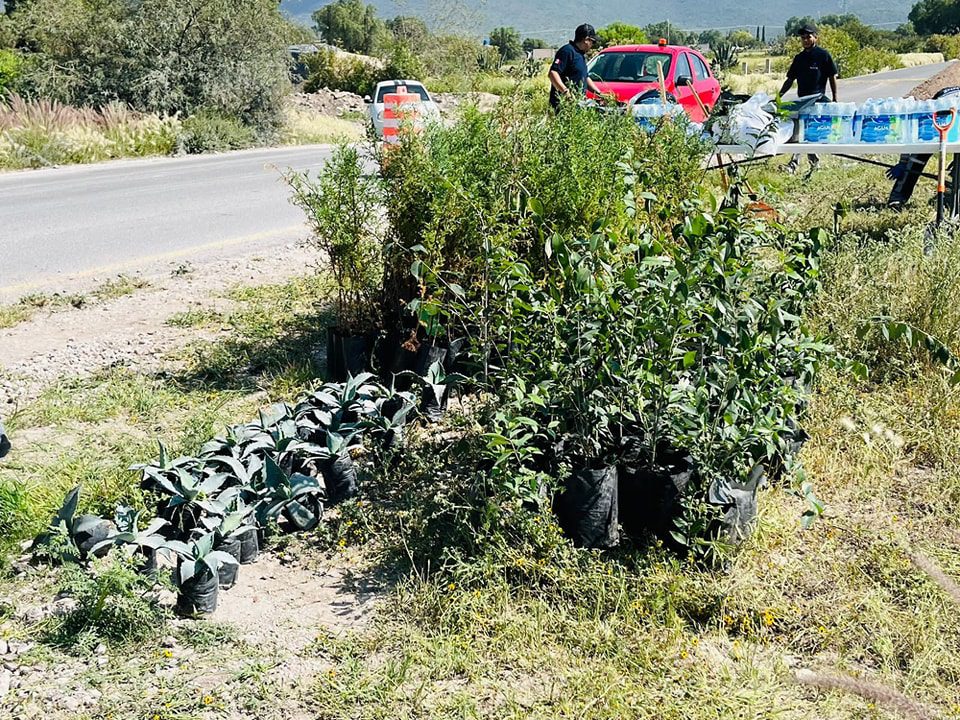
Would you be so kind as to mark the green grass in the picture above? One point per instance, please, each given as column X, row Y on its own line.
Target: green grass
column 195, row 318
column 27, row 307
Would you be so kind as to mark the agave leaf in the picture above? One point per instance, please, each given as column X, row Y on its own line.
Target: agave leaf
column 203, row 545
column 275, row 476
column 224, row 558
column 69, row 507
column 187, row 570
column 179, row 547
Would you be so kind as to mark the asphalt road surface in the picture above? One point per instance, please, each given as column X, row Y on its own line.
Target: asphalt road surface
column 62, row 223
column 894, row 83
column 97, row 220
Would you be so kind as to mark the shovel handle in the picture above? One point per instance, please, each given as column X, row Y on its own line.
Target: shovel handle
column 943, row 129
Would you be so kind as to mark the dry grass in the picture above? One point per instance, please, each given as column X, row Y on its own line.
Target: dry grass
column 39, row 133
column 302, row 127
column 916, row 59
column 755, row 82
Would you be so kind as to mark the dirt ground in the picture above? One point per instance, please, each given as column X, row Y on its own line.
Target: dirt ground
column 131, row 330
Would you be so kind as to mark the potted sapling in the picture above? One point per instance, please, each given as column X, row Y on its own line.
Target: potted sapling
column 69, row 538
column 236, row 535
column 297, row 498
column 388, row 422
column 134, row 540
column 435, row 389
column 342, row 206
column 197, row 576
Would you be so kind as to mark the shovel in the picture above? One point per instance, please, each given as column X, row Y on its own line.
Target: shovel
column 943, row 129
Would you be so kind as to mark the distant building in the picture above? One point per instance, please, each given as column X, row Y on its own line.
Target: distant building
column 541, row 54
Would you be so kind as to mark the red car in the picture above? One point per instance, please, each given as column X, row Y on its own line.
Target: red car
column 631, row 70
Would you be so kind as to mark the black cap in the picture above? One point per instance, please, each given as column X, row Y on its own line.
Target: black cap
column 807, row 29
column 584, row 32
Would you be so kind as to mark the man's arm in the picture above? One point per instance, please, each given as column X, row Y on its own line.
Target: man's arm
column 592, row 87
column 557, row 82
column 833, row 87
column 787, row 84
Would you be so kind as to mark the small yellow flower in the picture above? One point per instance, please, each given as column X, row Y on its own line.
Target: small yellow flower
column 683, row 654
column 207, row 699
column 452, row 586
column 167, row 653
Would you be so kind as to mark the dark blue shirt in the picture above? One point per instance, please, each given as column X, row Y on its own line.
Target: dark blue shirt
column 811, row 69
column 571, row 65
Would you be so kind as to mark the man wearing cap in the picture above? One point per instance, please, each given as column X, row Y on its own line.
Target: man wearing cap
column 568, row 73
column 812, row 69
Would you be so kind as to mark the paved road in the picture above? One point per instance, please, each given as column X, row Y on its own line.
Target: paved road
column 58, row 223
column 894, row 83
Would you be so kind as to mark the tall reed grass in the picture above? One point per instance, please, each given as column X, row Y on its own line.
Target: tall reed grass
column 40, row 133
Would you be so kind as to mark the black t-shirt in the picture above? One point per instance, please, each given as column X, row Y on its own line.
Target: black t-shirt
column 571, row 64
column 811, row 69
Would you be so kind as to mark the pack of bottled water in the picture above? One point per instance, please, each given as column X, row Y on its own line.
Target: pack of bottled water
column 827, row 123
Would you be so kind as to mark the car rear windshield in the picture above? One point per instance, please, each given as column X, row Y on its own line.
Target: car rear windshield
column 411, row 88
column 629, row 66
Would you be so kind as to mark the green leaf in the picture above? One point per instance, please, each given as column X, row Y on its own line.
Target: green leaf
column 689, row 359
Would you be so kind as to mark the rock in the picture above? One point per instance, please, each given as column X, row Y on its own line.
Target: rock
column 5, row 679
column 101, row 649
column 4, row 647
column 168, row 642
column 63, row 606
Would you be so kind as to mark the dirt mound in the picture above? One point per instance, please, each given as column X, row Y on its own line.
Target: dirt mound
column 945, row 78
column 329, row 102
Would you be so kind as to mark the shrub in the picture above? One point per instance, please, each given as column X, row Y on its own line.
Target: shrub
column 336, row 71
column 43, row 132
column 10, row 69
column 163, row 56
column 949, row 45
column 211, row 132
column 113, row 604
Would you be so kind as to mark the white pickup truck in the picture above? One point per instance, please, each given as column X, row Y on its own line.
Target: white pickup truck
column 427, row 109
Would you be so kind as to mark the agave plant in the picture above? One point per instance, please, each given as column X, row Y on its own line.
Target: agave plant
column 69, row 538
column 436, row 386
column 725, row 57
column 198, row 572
column 297, row 498
column 388, row 422
column 131, row 537
column 188, row 487
column 338, row 407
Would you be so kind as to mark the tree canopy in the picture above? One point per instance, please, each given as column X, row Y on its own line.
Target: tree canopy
column 507, row 41
column 936, row 17
column 351, row 25
column 619, row 33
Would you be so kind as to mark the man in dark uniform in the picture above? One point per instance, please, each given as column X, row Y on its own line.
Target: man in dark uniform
column 812, row 69
column 568, row 73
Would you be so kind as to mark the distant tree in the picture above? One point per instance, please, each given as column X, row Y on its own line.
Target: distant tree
column 741, row 38
column 936, row 16
column 795, row 23
column 619, row 33
column 710, row 37
column 351, row 25
column 669, row 31
column 409, row 30
column 531, row 44
column 507, row 41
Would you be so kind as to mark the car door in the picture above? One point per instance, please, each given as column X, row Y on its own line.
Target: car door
column 684, row 93
column 704, row 83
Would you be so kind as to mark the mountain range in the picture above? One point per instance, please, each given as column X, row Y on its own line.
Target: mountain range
column 554, row 20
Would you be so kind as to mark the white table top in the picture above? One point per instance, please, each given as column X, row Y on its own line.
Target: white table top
column 834, row 149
